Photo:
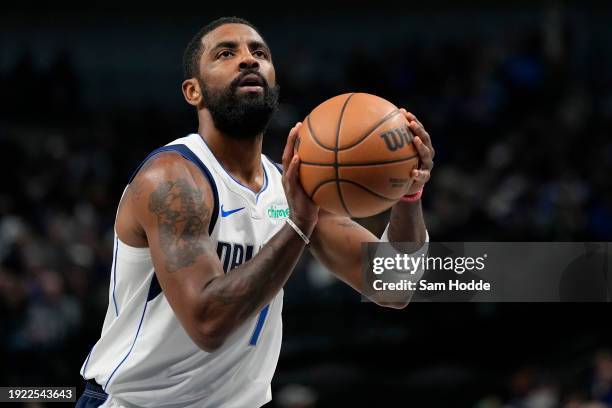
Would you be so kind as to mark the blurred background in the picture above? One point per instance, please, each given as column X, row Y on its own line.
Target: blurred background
column 517, row 98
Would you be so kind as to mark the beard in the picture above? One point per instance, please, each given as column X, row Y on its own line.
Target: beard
column 241, row 116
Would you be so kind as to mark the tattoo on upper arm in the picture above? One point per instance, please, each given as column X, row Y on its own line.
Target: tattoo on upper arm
column 182, row 220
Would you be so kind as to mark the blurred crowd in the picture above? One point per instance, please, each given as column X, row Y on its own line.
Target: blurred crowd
column 520, row 122
column 530, row 387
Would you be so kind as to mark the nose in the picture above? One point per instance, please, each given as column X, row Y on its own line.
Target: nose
column 248, row 61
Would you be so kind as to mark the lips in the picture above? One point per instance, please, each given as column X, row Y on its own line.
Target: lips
column 251, row 80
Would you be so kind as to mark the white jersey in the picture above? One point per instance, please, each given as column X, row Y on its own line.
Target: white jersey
column 144, row 357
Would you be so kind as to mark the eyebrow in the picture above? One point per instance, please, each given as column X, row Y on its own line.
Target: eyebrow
column 232, row 45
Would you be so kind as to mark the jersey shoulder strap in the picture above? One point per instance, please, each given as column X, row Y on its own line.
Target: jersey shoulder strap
column 184, row 151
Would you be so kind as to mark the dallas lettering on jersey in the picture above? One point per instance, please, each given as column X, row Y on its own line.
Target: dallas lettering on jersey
column 233, row 254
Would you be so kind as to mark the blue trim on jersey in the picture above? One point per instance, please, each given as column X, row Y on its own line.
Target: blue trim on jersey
column 260, row 321
column 131, row 348
column 232, row 177
column 278, row 166
column 115, row 274
column 265, row 183
column 87, row 361
column 184, row 151
column 154, row 288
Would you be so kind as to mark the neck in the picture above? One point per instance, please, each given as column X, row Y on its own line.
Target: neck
column 240, row 157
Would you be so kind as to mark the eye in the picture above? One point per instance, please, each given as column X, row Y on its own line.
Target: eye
column 225, row 54
column 260, row 54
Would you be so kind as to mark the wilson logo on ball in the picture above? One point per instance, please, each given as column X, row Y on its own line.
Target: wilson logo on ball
column 397, row 138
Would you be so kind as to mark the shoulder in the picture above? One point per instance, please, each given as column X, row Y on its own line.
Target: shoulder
column 168, row 173
column 165, row 186
column 161, row 164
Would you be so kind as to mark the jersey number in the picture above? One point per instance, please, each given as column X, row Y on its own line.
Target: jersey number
column 260, row 322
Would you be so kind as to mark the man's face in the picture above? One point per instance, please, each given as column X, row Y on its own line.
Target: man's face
column 238, row 81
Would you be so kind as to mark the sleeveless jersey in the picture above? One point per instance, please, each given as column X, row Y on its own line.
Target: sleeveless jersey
column 144, row 357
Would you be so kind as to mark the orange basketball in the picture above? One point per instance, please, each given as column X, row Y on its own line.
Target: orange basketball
column 356, row 154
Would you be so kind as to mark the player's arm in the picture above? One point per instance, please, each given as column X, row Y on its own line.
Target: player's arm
column 336, row 240
column 173, row 203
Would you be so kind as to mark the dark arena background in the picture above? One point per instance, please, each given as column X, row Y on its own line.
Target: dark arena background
column 517, row 99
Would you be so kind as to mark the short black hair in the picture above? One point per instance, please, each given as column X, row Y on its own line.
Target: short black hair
column 193, row 52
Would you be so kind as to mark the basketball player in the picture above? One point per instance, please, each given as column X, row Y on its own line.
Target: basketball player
column 202, row 249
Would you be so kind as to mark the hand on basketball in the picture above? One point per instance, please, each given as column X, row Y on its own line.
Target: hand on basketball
column 303, row 211
column 426, row 152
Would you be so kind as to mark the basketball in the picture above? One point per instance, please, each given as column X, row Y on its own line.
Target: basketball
column 356, row 155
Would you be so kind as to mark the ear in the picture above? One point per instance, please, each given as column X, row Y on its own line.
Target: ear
column 192, row 92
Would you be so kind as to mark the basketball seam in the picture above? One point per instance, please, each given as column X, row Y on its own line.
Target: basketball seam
column 321, row 184
column 372, row 129
column 365, row 164
column 314, row 137
column 368, row 190
column 336, row 153
column 355, row 183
